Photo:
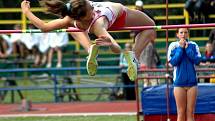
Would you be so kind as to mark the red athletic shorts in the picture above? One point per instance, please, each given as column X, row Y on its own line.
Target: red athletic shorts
column 119, row 22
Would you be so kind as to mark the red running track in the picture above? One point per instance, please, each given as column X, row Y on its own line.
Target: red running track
column 73, row 107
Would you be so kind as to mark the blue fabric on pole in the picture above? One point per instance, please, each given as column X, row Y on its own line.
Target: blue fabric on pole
column 154, row 100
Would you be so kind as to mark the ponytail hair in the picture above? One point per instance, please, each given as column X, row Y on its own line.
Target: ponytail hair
column 56, row 7
column 74, row 8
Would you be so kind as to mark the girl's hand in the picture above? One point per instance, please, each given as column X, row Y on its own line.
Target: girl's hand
column 182, row 43
column 25, row 5
column 186, row 45
column 103, row 41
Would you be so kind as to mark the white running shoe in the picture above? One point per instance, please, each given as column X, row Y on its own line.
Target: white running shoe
column 132, row 65
column 49, row 65
column 91, row 60
column 59, row 65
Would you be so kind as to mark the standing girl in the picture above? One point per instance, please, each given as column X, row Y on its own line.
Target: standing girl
column 183, row 55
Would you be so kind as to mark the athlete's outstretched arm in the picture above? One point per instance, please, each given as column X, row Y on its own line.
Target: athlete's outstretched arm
column 52, row 25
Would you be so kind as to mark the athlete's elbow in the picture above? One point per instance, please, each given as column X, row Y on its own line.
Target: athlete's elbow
column 45, row 29
column 197, row 61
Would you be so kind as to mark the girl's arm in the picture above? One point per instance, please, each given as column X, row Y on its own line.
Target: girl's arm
column 104, row 38
column 174, row 54
column 52, row 25
column 193, row 53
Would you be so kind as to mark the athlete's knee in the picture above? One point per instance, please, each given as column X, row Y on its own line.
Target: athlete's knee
column 151, row 34
column 146, row 35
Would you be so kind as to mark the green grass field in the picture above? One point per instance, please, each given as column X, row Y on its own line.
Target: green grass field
column 37, row 96
column 82, row 118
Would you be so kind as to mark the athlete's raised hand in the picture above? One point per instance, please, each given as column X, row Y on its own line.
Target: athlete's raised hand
column 25, row 5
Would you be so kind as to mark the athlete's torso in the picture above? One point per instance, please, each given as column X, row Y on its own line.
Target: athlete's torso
column 100, row 9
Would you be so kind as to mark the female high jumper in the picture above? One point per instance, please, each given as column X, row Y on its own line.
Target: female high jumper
column 96, row 18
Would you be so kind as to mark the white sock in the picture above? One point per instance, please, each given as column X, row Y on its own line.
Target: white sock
column 89, row 50
column 134, row 56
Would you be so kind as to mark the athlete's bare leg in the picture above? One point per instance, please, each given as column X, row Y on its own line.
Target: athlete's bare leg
column 92, row 50
column 144, row 36
column 83, row 39
column 180, row 98
column 191, row 102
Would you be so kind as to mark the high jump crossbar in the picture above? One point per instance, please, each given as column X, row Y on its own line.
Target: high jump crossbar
column 71, row 29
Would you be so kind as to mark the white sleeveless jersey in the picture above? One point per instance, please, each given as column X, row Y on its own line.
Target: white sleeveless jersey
column 101, row 9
